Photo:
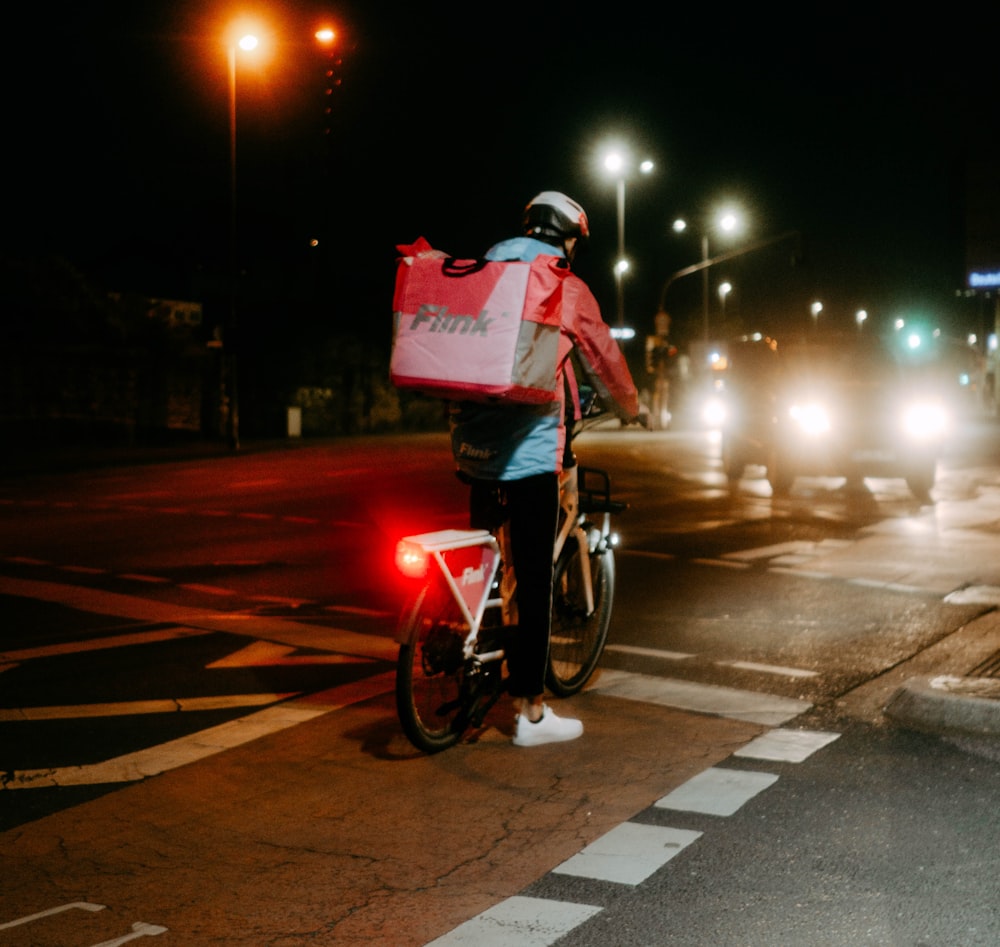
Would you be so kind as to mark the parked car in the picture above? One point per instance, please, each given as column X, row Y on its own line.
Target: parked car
column 837, row 405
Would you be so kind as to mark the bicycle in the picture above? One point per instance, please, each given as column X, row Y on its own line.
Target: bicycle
column 449, row 672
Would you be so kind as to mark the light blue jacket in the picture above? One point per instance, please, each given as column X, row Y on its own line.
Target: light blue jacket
column 507, row 441
column 514, row 441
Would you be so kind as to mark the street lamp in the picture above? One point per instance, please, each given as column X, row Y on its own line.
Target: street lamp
column 616, row 163
column 815, row 309
column 727, row 221
column 247, row 43
column 725, row 288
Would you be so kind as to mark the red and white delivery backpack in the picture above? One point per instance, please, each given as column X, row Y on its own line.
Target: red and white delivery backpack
column 477, row 330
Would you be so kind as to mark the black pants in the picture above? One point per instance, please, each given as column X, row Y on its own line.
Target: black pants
column 532, row 507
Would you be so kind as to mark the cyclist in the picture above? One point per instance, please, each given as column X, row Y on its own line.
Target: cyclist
column 521, row 450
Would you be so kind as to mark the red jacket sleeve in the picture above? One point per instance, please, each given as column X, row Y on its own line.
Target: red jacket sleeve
column 601, row 358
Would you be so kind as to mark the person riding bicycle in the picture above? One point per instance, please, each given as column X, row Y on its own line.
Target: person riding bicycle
column 523, row 449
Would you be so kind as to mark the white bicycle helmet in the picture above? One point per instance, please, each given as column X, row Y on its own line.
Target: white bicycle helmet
column 554, row 215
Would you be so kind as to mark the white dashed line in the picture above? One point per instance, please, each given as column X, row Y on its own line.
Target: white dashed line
column 774, row 669
column 717, row 791
column 628, row 854
column 786, row 746
column 519, row 922
column 648, row 652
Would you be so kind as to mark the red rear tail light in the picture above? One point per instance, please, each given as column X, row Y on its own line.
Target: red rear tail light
column 411, row 559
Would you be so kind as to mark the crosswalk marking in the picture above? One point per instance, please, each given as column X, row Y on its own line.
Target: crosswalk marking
column 767, row 709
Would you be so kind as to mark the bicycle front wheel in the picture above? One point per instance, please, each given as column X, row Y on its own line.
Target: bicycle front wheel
column 578, row 638
column 430, row 672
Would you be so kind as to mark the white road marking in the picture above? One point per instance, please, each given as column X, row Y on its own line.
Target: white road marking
column 974, row 595
column 100, row 644
column 628, row 854
column 767, row 709
column 136, row 707
column 28, row 918
column 645, row 554
column 356, row 610
column 207, row 589
column 795, row 547
column 786, row 746
column 775, row 669
column 648, row 652
column 139, row 929
column 721, row 563
column 260, row 654
column 518, row 922
column 196, row 746
column 717, row 791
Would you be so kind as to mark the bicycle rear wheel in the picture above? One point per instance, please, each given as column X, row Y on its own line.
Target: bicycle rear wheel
column 430, row 672
column 577, row 639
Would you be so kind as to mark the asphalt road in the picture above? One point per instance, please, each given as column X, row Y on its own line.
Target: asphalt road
column 197, row 728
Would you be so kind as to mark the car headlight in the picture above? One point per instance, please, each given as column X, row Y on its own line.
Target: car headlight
column 925, row 420
column 714, row 412
column 812, row 418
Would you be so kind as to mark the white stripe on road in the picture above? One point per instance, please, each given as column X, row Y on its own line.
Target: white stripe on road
column 786, row 746
column 101, row 644
column 299, row 634
column 648, row 652
column 518, row 922
column 767, row 709
column 628, row 854
column 30, row 918
column 196, row 746
column 776, row 669
column 717, row 791
column 131, row 708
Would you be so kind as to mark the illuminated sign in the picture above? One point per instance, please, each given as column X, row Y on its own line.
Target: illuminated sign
column 978, row 280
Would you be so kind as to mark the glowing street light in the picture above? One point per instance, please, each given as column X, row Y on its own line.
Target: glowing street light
column 246, row 43
column 725, row 288
column 617, row 163
column 728, row 221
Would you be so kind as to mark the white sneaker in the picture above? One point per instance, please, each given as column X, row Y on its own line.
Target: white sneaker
column 548, row 729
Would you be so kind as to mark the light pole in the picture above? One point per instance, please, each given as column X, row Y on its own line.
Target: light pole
column 616, row 163
column 248, row 42
column 815, row 309
column 725, row 288
column 728, row 222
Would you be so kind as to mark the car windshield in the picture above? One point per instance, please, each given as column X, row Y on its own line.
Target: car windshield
column 842, row 361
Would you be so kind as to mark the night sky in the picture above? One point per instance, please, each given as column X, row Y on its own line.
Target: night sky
column 853, row 128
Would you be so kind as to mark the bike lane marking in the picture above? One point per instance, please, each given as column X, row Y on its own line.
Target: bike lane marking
column 632, row 851
column 283, row 638
column 151, row 761
column 30, row 918
column 200, row 620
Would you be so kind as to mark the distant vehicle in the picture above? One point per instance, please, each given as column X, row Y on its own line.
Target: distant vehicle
column 836, row 405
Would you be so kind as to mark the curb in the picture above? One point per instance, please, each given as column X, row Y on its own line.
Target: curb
column 959, row 707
